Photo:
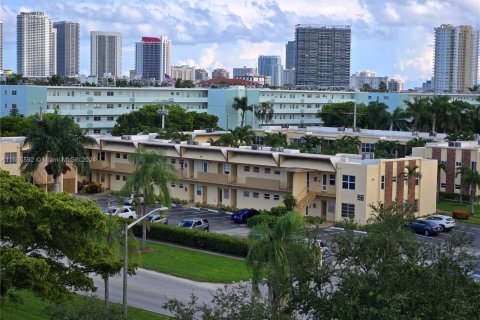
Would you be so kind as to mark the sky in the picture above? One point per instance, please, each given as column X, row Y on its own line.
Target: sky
column 394, row 38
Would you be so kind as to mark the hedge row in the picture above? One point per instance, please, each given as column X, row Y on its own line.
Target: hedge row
column 460, row 214
column 195, row 238
column 262, row 218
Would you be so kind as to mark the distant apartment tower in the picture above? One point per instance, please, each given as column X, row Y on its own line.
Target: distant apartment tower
column 183, row 72
column 322, row 55
column 288, row 77
column 35, row 45
column 149, row 59
column 105, row 53
column 290, row 55
column 394, row 85
column 166, row 54
column 201, row 74
column 220, row 73
column 359, row 79
column 271, row 66
column 240, row 72
column 1, row 46
column 455, row 58
column 68, row 48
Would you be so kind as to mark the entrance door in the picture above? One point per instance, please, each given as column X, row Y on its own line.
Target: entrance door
column 324, row 209
column 204, row 194
column 220, row 195
column 191, row 193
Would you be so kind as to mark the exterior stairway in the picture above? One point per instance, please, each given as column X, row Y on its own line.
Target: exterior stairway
column 306, row 200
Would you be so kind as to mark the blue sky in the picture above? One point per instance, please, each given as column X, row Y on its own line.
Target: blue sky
column 392, row 37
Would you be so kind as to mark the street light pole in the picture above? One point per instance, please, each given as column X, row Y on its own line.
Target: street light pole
column 125, row 257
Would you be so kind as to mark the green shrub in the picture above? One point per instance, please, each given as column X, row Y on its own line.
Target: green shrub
column 316, row 220
column 278, row 211
column 179, row 201
column 262, row 218
column 349, row 225
column 461, row 214
column 197, row 239
column 216, row 207
column 452, row 196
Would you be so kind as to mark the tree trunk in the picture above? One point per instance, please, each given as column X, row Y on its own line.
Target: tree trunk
column 56, row 183
column 107, row 293
column 434, row 123
column 473, row 201
column 144, row 228
column 243, row 118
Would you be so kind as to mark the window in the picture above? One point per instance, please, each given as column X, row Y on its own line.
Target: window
column 173, row 161
column 96, row 131
column 109, row 105
column 110, row 93
column 102, row 178
column 173, row 184
column 125, row 156
column 267, row 170
column 102, row 156
column 256, row 194
column 348, row 182
column 199, row 190
column 277, row 172
column 124, row 178
column 246, row 194
column 205, row 166
column 417, row 180
column 227, row 168
column 117, row 177
column 97, row 118
column 332, row 179
column 246, row 169
column 331, row 206
column 382, row 183
column 256, row 169
column 10, row 158
column 443, row 185
column 348, row 210
column 266, row 196
column 14, row 92
column 117, row 155
column 226, row 193
column 458, row 164
column 443, row 162
column 368, row 147
column 109, row 118
column 276, row 197
column 394, row 179
column 473, row 166
column 360, row 197
column 458, row 186
column 97, row 93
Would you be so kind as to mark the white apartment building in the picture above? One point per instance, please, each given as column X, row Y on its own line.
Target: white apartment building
column 105, row 53
column 183, row 72
column 361, row 78
column 36, row 45
column 395, row 85
column 166, row 54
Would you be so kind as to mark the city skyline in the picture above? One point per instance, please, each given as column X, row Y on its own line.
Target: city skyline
column 393, row 39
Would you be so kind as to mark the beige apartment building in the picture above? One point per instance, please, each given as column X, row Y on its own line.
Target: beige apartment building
column 454, row 155
column 13, row 152
column 334, row 187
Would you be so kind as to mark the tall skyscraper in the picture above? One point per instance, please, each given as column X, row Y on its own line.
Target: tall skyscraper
column 105, row 53
column 148, row 59
column 166, row 54
column 456, row 58
column 290, row 55
column 322, row 55
column 68, row 48
column 201, row 74
column 271, row 66
column 35, row 45
column 220, row 73
column 1, row 45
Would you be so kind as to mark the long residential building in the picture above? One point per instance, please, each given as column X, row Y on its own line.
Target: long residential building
column 334, row 187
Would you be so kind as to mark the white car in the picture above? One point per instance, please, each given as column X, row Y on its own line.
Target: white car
column 131, row 199
column 122, row 212
column 446, row 223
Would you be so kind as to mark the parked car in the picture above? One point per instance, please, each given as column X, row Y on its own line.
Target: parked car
column 241, row 216
column 426, row 227
column 122, row 211
column 446, row 223
column 157, row 218
column 195, row 223
column 131, row 199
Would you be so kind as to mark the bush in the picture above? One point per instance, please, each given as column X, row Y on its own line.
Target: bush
column 179, row 201
column 89, row 186
column 197, row 239
column 216, row 207
column 460, row 214
column 262, row 218
column 278, row 211
column 452, row 196
column 314, row 220
column 349, row 225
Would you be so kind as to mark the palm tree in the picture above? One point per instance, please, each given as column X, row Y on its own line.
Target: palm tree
column 387, row 149
column 377, row 117
column 227, row 140
column 347, row 144
column 461, row 172
column 264, row 112
column 310, row 144
column 417, row 110
column 276, row 139
column 151, row 172
column 243, row 135
column 441, row 166
column 242, row 105
column 411, row 172
column 472, row 179
column 446, row 113
column 475, row 88
column 399, row 120
column 58, row 139
column 268, row 255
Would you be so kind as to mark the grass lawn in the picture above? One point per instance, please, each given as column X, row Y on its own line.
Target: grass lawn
column 194, row 265
column 33, row 308
column 449, row 206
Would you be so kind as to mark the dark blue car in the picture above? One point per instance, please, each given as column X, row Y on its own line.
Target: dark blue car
column 426, row 227
column 241, row 216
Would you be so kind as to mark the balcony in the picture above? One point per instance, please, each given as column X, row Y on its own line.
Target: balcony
column 218, row 178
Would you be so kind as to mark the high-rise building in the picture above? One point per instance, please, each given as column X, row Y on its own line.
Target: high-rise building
column 105, row 53
column 166, row 54
column 322, row 55
column 290, row 55
column 359, row 79
column 455, row 58
column 183, row 72
column 240, row 72
column 220, row 73
column 201, row 74
column 68, row 48
column 149, row 58
column 271, row 66
column 395, row 85
column 288, row 77
column 35, row 45
column 1, row 45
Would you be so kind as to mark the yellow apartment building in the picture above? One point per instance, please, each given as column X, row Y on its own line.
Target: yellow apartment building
column 334, row 187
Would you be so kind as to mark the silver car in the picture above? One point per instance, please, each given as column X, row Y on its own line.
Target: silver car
column 446, row 223
column 195, row 223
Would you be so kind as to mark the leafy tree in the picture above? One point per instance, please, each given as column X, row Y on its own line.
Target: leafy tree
column 243, row 135
column 460, row 136
column 310, row 144
column 276, row 139
column 475, row 88
column 264, row 112
column 460, row 172
column 472, row 179
column 416, row 142
column 417, row 109
column 152, row 173
column 399, row 120
column 290, row 202
column 226, row 140
column 341, row 114
column 377, row 117
column 14, row 79
column 366, row 88
column 48, row 241
column 16, row 126
column 59, row 139
column 54, row 80
column 14, row 112
column 242, row 105
column 268, row 256
column 122, row 83
column 345, row 144
column 387, row 149
column 382, row 87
